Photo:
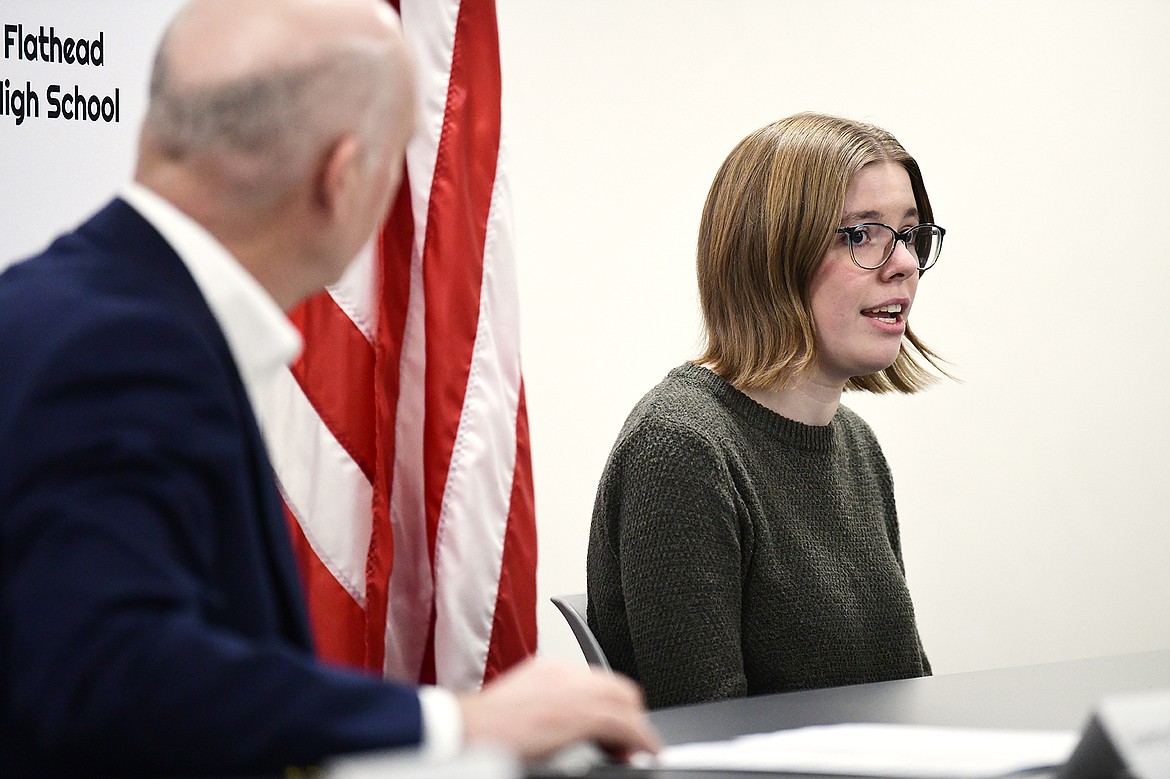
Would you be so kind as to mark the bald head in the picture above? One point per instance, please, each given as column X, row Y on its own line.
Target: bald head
column 214, row 42
column 280, row 126
column 249, row 91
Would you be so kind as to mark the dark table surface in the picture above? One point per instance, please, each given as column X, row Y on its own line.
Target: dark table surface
column 1050, row 696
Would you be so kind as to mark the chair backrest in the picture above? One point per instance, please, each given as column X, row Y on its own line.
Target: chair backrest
column 573, row 607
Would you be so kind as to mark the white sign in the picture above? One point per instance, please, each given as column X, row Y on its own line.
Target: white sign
column 73, row 86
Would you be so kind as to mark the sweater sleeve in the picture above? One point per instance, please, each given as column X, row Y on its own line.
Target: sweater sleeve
column 682, row 539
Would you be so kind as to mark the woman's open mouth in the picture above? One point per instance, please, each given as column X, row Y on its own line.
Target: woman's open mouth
column 890, row 313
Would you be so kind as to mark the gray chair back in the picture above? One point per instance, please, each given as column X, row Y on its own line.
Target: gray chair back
column 574, row 608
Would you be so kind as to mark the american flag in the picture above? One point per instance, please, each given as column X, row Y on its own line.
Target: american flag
column 400, row 436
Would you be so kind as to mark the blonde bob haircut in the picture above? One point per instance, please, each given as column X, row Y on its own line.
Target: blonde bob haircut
column 770, row 217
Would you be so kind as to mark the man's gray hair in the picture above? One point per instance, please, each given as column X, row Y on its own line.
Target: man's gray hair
column 266, row 129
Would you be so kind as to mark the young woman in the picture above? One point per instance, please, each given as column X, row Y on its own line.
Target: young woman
column 744, row 535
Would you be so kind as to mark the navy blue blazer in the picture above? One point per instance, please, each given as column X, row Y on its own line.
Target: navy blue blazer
column 151, row 621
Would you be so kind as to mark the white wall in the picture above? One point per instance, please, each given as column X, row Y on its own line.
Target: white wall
column 1032, row 494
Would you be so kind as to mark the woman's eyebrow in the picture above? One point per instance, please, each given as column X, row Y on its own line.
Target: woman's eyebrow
column 856, row 217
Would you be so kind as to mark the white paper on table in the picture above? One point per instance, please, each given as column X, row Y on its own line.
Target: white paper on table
column 865, row 749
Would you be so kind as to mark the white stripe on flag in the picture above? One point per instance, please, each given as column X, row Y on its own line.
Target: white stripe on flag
column 469, row 547
column 430, row 29
column 354, row 291
column 429, row 26
column 322, row 486
column 411, row 587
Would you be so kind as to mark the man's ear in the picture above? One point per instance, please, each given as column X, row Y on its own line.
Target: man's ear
column 339, row 175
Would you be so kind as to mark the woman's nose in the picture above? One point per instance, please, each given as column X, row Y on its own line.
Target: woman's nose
column 902, row 262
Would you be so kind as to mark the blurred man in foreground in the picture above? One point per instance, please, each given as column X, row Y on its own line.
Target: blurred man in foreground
column 150, row 618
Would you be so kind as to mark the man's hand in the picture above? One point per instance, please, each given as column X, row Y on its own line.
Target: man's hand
column 541, row 706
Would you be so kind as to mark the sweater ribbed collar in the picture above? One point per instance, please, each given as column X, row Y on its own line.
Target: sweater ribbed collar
column 790, row 432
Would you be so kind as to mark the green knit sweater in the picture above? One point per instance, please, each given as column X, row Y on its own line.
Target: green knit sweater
column 734, row 551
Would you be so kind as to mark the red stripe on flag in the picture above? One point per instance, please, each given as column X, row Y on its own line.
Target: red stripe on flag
column 465, row 171
column 335, row 618
column 336, row 371
column 514, row 625
column 395, row 244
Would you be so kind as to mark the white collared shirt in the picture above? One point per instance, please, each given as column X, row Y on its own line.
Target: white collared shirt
column 263, row 343
column 262, row 340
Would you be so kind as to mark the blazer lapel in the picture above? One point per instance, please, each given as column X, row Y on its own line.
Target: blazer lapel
column 123, row 229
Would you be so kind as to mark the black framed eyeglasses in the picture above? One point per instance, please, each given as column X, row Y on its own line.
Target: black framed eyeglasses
column 871, row 244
